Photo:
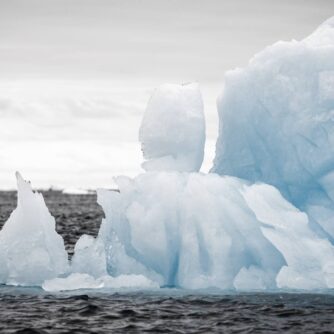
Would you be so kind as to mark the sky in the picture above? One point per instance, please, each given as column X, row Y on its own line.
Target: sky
column 75, row 75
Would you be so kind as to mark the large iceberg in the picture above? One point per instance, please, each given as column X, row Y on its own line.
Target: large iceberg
column 172, row 133
column 265, row 223
column 277, row 123
column 31, row 250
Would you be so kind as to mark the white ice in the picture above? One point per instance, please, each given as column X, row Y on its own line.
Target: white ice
column 277, row 123
column 30, row 248
column 172, row 133
column 89, row 257
column 186, row 230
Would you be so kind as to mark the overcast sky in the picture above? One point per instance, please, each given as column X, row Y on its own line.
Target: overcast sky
column 75, row 75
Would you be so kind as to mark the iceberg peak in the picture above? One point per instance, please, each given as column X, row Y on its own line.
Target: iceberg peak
column 31, row 250
column 172, row 132
column 24, row 188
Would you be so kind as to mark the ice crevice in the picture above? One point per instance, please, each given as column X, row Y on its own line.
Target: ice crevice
column 261, row 220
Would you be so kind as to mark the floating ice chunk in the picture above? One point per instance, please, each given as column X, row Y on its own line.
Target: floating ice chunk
column 172, row 133
column 31, row 250
column 277, row 123
column 78, row 281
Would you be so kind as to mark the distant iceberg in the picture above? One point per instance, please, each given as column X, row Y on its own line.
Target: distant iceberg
column 265, row 223
column 77, row 191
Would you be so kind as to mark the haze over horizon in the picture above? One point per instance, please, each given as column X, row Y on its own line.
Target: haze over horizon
column 76, row 75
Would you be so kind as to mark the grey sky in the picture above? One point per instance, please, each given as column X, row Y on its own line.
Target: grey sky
column 75, row 74
column 161, row 39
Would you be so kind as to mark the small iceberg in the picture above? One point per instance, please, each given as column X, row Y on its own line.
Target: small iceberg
column 31, row 250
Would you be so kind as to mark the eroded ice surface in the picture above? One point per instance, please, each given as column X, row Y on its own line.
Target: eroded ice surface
column 186, row 230
column 89, row 257
column 277, row 123
column 30, row 248
column 202, row 231
column 309, row 258
column 172, row 133
column 33, row 254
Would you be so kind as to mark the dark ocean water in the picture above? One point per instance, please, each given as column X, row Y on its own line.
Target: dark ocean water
column 30, row 310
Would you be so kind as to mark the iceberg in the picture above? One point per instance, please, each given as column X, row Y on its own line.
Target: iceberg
column 262, row 220
column 277, row 124
column 172, row 133
column 31, row 250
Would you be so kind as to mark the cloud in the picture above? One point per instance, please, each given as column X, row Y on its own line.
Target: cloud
column 74, row 133
column 54, row 104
